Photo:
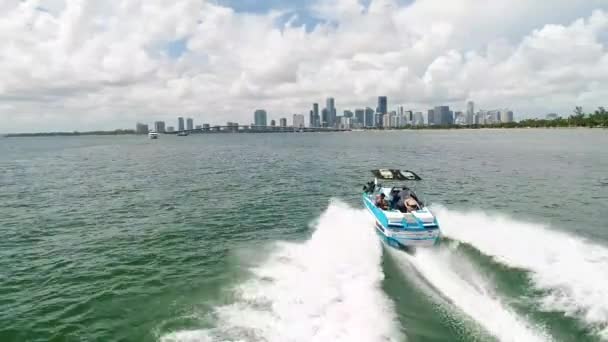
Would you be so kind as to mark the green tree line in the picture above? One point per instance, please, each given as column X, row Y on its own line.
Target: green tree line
column 47, row 134
column 599, row 118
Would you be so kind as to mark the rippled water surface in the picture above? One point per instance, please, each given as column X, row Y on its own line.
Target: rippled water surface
column 261, row 237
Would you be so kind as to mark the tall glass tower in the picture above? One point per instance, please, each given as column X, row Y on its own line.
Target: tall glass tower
column 382, row 105
column 331, row 112
column 259, row 118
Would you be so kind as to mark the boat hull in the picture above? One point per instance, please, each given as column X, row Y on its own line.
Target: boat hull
column 402, row 236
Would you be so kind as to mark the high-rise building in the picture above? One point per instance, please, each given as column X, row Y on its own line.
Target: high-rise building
column 460, row 118
column 273, row 123
column 315, row 112
column 386, row 120
column 159, row 126
column 141, row 128
column 259, row 118
column 409, row 116
column 170, row 129
column 324, row 118
column 360, row 116
column 382, row 105
column 298, row 121
column 283, row 122
column 395, row 119
column 506, row 116
column 494, row 116
column 378, row 119
column 477, row 120
column 180, row 123
column 470, row 118
column 348, row 114
column 189, row 124
column 443, row 116
column 481, row 118
column 331, row 112
column 418, row 119
column 369, row 117
column 430, row 117
column 311, row 118
column 345, row 122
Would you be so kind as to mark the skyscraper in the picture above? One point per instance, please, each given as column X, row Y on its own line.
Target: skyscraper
column 331, row 112
column 298, row 121
column 259, row 118
column 348, row 114
column 460, row 118
column 378, row 119
column 317, row 118
column 189, row 124
column 283, row 122
column 409, row 116
column 470, row 118
column 360, row 116
column 386, row 120
column 382, row 105
column 345, row 122
column 180, row 123
column 159, row 126
column 418, row 119
column 430, row 117
column 369, row 117
column 273, row 123
column 324, row 118
column 506, row 116
column 443, row 116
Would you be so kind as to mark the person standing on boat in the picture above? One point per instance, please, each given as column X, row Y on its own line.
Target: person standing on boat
column 381, row 202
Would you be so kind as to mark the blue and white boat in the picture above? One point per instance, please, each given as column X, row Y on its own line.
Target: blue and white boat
column 402, row 219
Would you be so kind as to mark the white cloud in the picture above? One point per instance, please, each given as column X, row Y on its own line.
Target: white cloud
column 84, row 64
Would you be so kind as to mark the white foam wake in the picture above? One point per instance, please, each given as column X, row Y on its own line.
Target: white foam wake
column 573, row 270
column 455, row 278
column 326, row 289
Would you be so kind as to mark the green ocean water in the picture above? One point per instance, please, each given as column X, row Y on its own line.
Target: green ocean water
column 262, row 237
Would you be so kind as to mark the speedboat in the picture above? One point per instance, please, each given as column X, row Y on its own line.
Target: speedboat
column 402, row 219
column 182, row 134
column 153, row 135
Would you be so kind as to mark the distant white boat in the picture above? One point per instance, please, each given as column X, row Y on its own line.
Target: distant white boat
column 153, row 135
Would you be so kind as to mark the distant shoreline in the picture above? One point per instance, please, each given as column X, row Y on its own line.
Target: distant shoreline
column 68, row 134
column 412, row 128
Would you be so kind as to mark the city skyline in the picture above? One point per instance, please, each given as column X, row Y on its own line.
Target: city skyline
column 382, row 117
column 217, row 61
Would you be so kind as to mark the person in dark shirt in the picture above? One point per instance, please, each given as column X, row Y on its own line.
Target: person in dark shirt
column 402, row 196
column 381, row 202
